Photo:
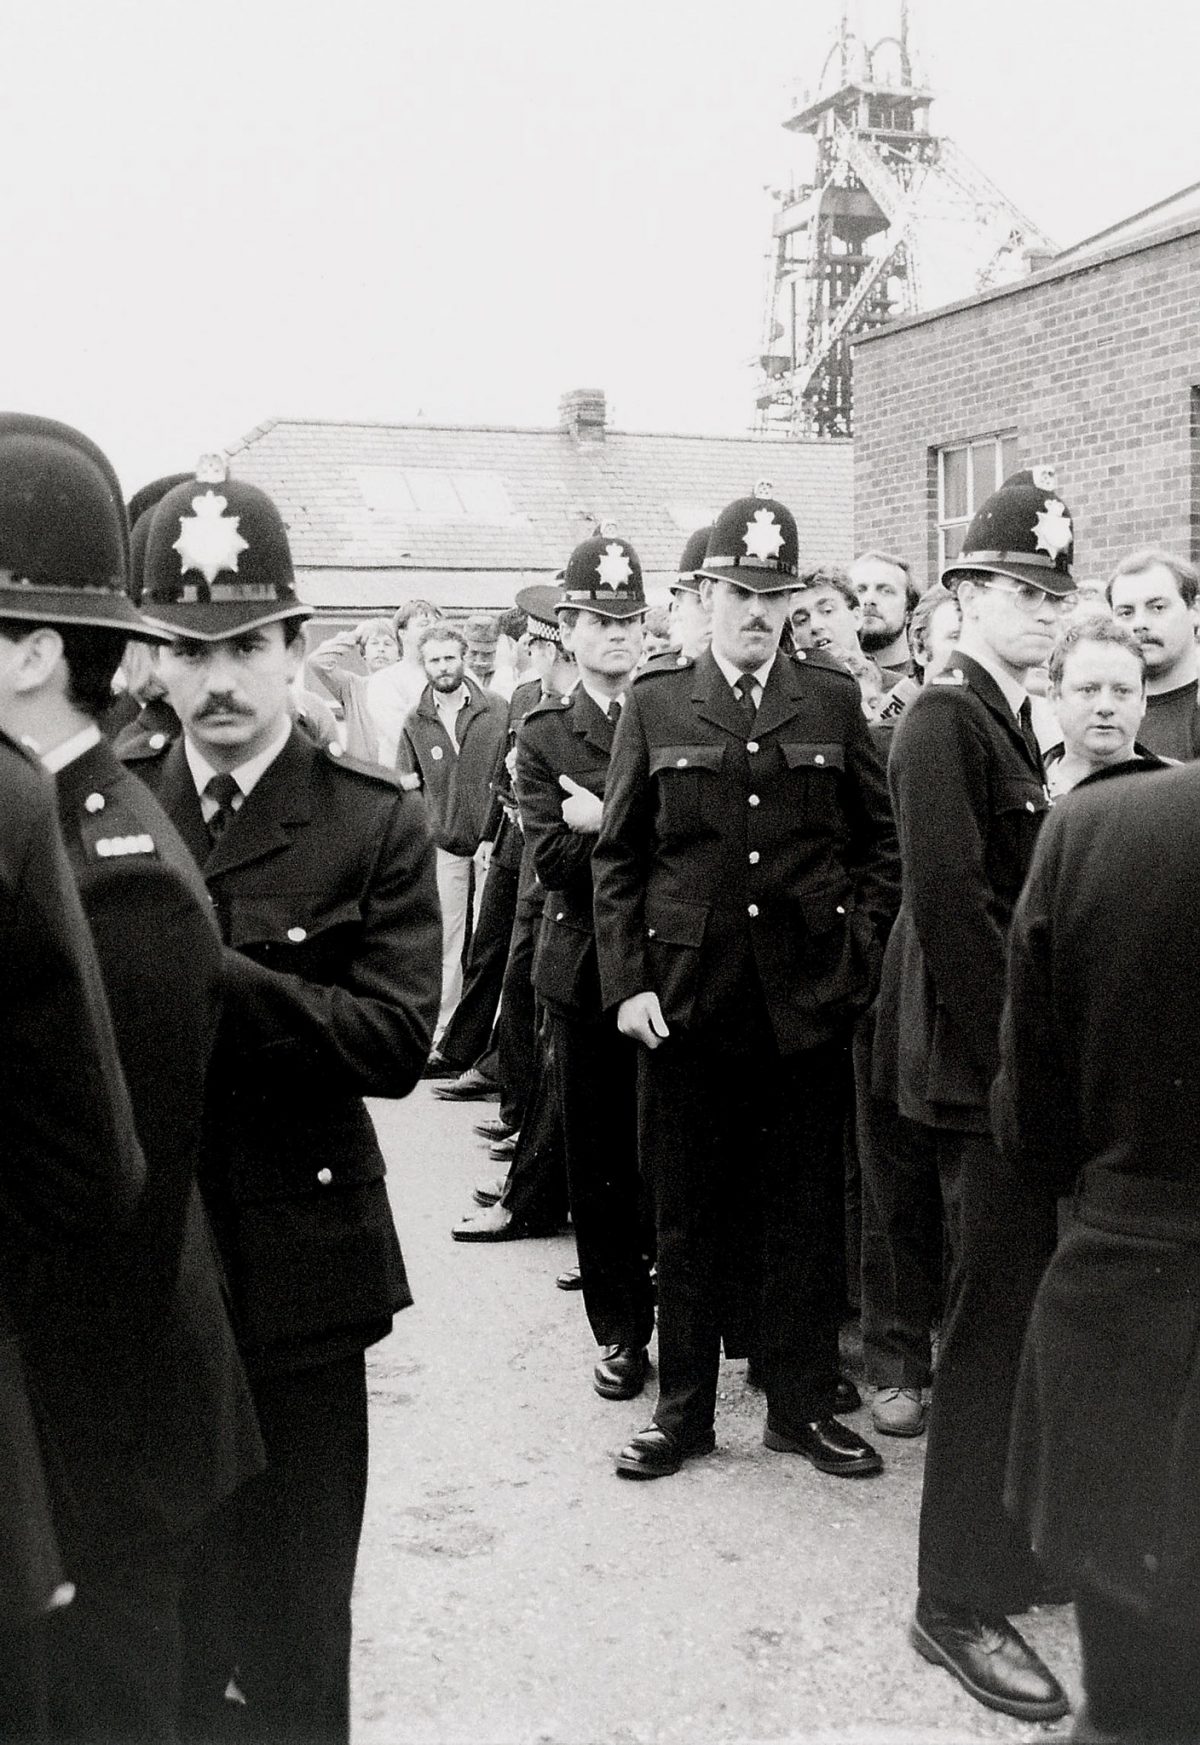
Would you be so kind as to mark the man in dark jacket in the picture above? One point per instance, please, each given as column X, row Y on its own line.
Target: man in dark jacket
column 450, row 748
column 969, row 794
column 175, row 1431
column 320, row 872
column 72, row 1178
column 1098, row 1097
column 745, row 874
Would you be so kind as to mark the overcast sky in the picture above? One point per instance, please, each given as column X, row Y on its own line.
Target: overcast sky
column 213, row 214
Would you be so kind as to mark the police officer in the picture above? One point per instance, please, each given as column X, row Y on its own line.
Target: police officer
column 563, row 751
column 969, row 793
column 320, row 871
column 745, row 873
column 177, row 1433
column 689, row 615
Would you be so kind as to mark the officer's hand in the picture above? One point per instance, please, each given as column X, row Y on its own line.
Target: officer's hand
column 641, row 1017
column 581, row 809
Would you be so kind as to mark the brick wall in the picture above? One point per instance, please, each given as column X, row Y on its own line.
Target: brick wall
column 1093, row 367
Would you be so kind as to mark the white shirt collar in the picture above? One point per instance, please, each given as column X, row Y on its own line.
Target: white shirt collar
column 599, row 699
column 732, row 673
column 61, row 755
column 1013, row 690
column 247, row 775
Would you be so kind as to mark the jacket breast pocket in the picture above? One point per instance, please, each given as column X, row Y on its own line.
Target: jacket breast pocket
column 282, row 932
column 812, row 772
column 687, row 787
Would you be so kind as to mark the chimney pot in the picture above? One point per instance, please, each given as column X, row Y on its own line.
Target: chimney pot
column 583, row 414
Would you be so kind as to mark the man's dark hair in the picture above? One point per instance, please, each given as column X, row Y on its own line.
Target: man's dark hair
column 442, row 631
column 409, row 609
column 912, row 592
column 1101, row 628
column 293, row 630
column 830, row 575
column 1187, row 578
column 512, row 623
column 92, row 657
column 568, row 617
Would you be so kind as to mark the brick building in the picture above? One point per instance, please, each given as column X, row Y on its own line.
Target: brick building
column 466, row 515
column 1092, row 363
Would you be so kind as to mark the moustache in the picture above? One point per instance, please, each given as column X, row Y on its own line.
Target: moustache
column 220, row 706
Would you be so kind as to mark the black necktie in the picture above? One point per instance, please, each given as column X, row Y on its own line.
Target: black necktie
column 1025, row 717
column 745, row 694
column 222, row 789
column 614, row 711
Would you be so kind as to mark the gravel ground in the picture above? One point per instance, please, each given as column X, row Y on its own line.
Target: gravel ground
column 512, row 1590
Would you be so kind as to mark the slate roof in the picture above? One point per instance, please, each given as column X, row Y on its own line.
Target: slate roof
column 464, row 514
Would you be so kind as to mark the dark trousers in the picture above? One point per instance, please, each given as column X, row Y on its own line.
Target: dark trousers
column 516, row 1039
column 113, row 1654
column 535, row 1189
column 466, row 1035
column 268, row 1596
column 743, row 1155
column 1141, row 1674
column 23, row 1711
column 901, row 1234
column 596, row 1070
column 1002, row 1234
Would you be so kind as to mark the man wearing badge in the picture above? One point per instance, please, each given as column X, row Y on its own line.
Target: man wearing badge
column 969, row 794
column 745, row 876
column 320, row 872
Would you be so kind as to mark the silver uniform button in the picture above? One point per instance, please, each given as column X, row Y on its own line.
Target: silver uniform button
column 755, row 857
column 681, row 763
column 324, row 1176
column 753, row 800
column 820, row 758
column 297, row 934
column 334, row 748
column 1029, row 806
column 94, row 803
column 752, row 745
column 559, row 916
column 157, row 741
column 436, row 753
column 752, row 909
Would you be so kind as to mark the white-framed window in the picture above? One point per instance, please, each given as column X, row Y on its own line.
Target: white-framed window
column 968, row 473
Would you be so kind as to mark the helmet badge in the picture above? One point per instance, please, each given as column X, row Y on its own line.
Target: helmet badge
column 763, row 537
column 209, row 540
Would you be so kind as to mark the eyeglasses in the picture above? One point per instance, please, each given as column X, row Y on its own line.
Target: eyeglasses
column 1031, row 599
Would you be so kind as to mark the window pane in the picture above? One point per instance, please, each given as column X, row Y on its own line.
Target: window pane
column 984, row 456
column 954, row 484
column 952, row 539
column 1009, row 461
column 433, row 492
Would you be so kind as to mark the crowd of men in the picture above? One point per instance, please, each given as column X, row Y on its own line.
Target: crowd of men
column 796, row 996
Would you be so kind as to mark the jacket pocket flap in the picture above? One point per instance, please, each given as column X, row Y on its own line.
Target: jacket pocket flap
column 672, row 757
column 823, row 910
column 1021, row 794
column 813, row 756
column 676, row 921
column 272, row 920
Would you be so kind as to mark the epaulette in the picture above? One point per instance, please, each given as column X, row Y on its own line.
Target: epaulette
column 826, row 663
column 113, row 832
column 548, row 706
column 336, row 754
column 139, row 747
column 949, row 676
column 664, row 663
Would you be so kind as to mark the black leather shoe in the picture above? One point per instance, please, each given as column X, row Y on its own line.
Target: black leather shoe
column 438, row 1067
column 495, row 1225
column 829, row 1445
column 471, row 1086
column 655, row 1453
column 991, row 1660
column 494, row 1130
column 503, row 1150
column 620, row 1372
column 846, row 1399
column 570, row 1279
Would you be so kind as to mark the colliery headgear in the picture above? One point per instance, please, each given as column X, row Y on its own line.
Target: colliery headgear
column 1023, row 531
column 754, row 543
column 64, row 537
column 690, row 564
column 539, row 604
column 217, row 560
column 604, row 576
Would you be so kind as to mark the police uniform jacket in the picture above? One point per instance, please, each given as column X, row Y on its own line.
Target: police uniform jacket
column 735, row 855
column 564, row 736
column 1099, row 1097
column 506, row 836
column 969, row 798
column 73, row 1171
column 173, row 1431
column 457, row 785
column 323, row 887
